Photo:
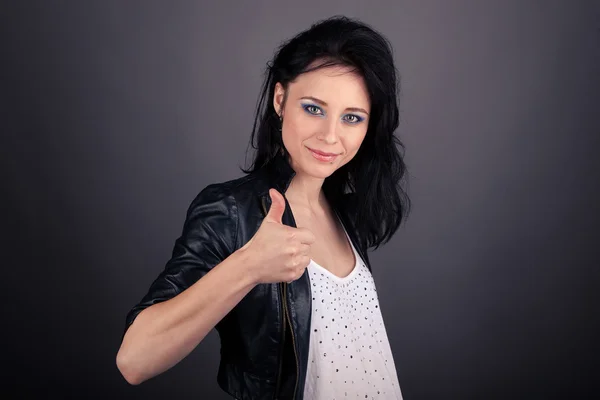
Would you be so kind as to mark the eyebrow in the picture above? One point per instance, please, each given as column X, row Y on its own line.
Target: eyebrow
column 325, row 104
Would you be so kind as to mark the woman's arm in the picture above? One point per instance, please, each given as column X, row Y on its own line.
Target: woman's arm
column 202, row 281
column 165, row 333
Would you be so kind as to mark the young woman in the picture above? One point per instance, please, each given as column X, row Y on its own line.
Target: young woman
column 276, row 260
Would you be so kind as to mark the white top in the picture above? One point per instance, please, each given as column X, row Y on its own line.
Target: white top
column 349, row 353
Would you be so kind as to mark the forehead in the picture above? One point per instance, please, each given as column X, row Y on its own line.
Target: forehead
column 336, row 85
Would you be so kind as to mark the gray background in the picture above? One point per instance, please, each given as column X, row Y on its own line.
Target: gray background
column 114, row 115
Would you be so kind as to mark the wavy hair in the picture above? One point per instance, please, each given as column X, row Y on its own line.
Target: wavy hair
column 376, row 174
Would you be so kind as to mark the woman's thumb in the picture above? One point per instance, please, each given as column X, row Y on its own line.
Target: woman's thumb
column 277, row 206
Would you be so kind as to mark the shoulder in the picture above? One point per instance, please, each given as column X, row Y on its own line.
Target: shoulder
column 231, row 199
column 234, row 190
column 225, row 207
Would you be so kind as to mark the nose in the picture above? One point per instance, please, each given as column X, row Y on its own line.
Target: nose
column 330, row 133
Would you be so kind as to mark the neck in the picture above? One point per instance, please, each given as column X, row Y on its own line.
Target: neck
column 306, row 192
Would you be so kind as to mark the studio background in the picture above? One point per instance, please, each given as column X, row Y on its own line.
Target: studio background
column 115, row 114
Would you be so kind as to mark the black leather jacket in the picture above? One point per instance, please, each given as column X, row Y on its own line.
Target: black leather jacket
column 265, row 337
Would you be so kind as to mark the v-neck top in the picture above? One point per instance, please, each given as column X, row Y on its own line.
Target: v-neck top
column 349, row 352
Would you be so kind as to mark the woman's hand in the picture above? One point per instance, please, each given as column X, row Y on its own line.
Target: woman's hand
column 277, row 252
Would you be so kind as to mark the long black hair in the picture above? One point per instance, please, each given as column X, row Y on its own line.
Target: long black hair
column 377, row 172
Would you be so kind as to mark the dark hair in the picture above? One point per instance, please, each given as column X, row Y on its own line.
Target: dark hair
column 376, row 172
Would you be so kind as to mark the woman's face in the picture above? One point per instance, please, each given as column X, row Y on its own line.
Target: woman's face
column 327, row 111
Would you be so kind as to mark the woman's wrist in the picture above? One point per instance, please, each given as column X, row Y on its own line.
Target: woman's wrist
column 245, row 262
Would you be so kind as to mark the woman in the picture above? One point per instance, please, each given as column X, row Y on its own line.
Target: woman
column 277, row 260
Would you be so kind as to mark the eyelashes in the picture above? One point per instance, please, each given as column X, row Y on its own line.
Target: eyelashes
column 309, row 107
column 313, row 109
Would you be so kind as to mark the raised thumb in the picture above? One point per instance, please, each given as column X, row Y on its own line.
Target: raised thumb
column 277, row 206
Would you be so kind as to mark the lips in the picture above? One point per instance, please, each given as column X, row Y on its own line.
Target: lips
column 323, row 153
column 317, row 155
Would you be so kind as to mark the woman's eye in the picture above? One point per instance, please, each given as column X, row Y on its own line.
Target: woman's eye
column 354, row 119
column 312, row 109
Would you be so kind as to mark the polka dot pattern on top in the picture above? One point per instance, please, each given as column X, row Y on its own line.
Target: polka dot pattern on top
column 349, row 352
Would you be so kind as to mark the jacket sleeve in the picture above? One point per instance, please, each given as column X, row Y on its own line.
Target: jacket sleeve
column 208, row 237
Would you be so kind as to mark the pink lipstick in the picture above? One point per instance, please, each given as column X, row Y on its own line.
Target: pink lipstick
column 321, row 156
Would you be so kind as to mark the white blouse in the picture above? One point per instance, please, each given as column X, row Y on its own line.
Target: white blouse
column 349, row 352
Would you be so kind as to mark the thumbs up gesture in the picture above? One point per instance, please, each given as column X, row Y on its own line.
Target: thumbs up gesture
column 277, row 252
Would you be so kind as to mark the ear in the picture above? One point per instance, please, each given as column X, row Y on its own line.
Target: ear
column 278, row 97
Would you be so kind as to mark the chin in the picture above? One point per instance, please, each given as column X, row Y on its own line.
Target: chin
column 317, row 171
column 322, row 171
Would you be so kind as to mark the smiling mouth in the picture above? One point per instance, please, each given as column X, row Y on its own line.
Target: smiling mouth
column 322, row 157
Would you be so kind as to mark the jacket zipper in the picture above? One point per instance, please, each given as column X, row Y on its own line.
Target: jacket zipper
column 287, row 320
column 281, row 351
column 293, row 340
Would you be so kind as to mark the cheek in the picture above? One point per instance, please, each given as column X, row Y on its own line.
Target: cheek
column 354, row 143
column 298, row 129
column 293, row 138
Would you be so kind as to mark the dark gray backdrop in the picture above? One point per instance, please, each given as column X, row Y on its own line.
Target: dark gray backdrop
column 114, row 115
